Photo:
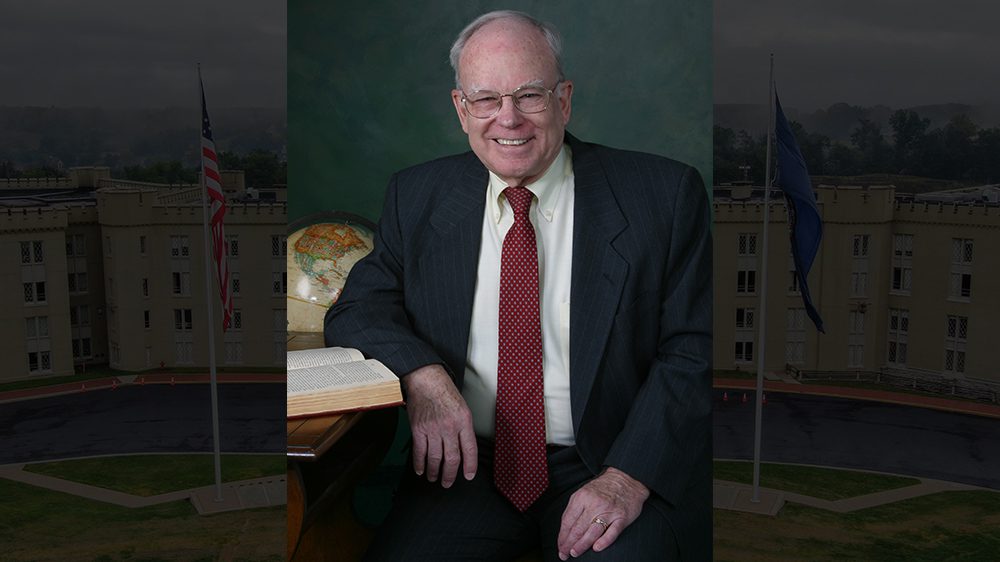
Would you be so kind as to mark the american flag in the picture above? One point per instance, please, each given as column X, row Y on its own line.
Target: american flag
column 217, row 203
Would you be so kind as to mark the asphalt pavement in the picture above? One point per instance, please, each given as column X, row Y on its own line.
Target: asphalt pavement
column 861, row 434
column 135, row 418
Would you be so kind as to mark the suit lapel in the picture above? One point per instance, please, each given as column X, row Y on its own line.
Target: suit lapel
column 599, row 272
column 452, row 259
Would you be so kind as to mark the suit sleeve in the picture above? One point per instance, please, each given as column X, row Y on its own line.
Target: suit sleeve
column 370, row 314
column 667, row 434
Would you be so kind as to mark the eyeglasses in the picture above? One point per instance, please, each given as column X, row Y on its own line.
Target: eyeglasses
column 483, row 104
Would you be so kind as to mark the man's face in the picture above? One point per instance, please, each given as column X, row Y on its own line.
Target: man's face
column 503, row 56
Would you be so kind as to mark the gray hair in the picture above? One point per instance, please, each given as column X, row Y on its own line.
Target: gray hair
column 547, row 30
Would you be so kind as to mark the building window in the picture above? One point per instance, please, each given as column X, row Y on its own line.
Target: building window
column 859, row 245
column 183, row 352
column 76, row 245
column 856, row 339
column 902, row 263
column 956, row 336
column 279, row 282
column 107, row 246
column 34, row 292
column 233, row 245
column 181, row 282
column 32, row 252
column 37, row 327
column 237, row 319
column 39, row 361
column 279, row 324
column 795, row 335
column 746, row 281
column 899, row 327
column 234, row 278
column 79, row 315
column 179, row 247
column 744, row 317
column 960, row 280
column 145, row 286
column 182, row 320
column 859, row 264
column 145, row 319
column 77, row 282
column 142, row 245
column 744, row 335
column 279, row 246
column 744, row 352
column 746, row 244
column 234, row 352
column 81, row 348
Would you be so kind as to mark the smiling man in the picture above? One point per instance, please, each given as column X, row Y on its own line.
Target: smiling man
column 547, row 303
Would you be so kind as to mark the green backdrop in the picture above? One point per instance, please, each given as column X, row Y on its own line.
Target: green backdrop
column 369, row 87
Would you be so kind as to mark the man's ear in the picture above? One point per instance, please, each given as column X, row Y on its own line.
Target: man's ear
column 565, row 96
column 456, row 98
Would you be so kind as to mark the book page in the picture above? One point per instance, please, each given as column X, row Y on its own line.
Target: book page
column 345, row 375
column 327, row 356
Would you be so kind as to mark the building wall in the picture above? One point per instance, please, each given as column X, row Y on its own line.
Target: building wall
column 109, row 261
column 854, row 288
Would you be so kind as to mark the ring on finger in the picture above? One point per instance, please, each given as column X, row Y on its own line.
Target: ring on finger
column 601, row 522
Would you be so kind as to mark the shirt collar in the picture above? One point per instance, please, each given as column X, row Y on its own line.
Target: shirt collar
column 547, row 188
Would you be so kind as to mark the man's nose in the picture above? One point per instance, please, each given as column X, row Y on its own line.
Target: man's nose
column 509, row 116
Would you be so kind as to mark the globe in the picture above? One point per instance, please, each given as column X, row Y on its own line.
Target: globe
column 320, row 256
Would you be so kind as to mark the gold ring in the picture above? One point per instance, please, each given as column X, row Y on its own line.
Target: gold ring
column 600, row 522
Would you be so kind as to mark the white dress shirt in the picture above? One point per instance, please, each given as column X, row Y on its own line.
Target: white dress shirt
column 551, row 215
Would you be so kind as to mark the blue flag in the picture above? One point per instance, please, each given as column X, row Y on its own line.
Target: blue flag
column 804, row 224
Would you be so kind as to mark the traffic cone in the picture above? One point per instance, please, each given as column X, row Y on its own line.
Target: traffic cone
column 83, row 387
column 142, row 381
column 171, row 381
column 725, row 397
column 763, row 397
column 744, row 399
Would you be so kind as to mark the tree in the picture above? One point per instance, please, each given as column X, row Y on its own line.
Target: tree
column 909, row 134
column 871, row 146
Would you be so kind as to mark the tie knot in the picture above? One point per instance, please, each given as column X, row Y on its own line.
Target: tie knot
column 520, row 200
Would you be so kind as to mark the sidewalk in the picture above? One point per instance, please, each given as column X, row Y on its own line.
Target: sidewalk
column 736, row 496
column 243, row 494
column 906, row 399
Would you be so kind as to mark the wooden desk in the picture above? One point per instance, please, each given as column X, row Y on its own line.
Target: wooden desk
column 327, row 457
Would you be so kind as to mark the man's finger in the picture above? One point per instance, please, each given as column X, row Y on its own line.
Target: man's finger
column 570, row 517
column 419, row 453
column 590, row 534
column 470, row 453
column 452, row 459
column 610, row 536
column 433, row 458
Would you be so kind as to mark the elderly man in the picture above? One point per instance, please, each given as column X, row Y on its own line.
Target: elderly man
column 547, row 303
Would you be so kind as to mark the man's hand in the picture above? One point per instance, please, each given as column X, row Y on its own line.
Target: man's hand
column 613, row 496
column 441, row 424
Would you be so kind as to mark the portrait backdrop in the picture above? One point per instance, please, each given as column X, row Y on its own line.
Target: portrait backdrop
column 369, row 87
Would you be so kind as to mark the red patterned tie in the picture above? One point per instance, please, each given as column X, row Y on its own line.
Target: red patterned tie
column 520, row 468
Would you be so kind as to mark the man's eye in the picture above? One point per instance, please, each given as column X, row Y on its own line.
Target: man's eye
column 528, row 95
column 484, row 100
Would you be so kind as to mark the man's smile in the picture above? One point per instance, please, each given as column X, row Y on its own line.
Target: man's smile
column 511, row 142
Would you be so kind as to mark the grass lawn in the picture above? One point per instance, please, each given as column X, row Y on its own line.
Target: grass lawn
column 149, row 475
column 40, row 524
column 823, row 483
column 937, row 527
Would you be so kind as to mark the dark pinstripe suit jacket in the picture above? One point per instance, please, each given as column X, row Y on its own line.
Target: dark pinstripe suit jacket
column 640, row 310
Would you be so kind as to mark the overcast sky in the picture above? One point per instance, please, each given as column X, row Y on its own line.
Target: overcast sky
column 143, row 53
column 898, row 53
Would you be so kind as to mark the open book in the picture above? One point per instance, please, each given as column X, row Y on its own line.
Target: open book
column 337, row 380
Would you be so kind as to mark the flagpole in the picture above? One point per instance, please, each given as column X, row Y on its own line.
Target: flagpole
column 762, row 313
column 210, row 325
